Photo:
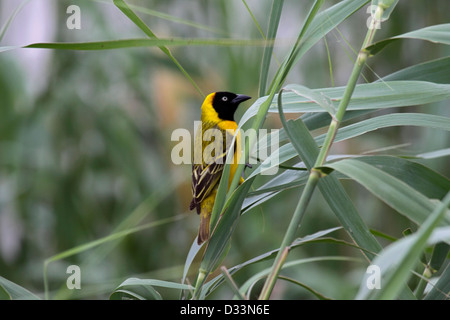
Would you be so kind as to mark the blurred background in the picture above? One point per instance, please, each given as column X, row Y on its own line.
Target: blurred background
column 85, row 139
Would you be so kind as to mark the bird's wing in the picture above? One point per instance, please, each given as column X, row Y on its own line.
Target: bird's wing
column 204, row 179
column 205, row 175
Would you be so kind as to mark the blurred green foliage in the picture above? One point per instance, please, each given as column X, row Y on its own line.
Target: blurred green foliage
column 80, row 154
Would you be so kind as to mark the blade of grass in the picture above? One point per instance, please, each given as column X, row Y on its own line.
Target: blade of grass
column 437, row 34
column 92, row 244
column 389, row 94
column 440, row 290
column 122, row 294
column 195, row 248
column 214, row 283
column 260, row 275
column 437, row 71
column 330, row 187
column 221, row 234
column 143, row 42
column 288, row 151
column 372, row 96
column 154, row 283
column 394, row 192
column 434, row 154
column 226, row 275
column 274, row 20
column 135, row 218
column 397, row 260
column 389, row 120
column 419, row 177
column 133, row 286
column 294, row 54
column 11, row 18
column 314, row 292
column 14, row 291
column 319, row 99
column 133, row 17
column 308, row 151
column 169, row 17
column 319, row 27
column 330, row 64
column 439, row 255
column 255, row 21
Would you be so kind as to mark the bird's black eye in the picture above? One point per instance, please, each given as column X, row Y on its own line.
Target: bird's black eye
column 224, row 99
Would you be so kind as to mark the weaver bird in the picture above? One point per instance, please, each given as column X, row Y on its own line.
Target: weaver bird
column 214, row 136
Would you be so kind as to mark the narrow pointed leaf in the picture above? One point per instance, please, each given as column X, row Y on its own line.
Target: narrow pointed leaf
column 441, row 288
column 438, row 34
column 437, row 71
column 394, row 192
column 371, row 96
column 13, row 291
column 224, row 228
column 274, row 19
column 397, row 260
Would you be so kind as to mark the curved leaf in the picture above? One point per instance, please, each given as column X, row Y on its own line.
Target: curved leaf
column 397, row 260
column 144, row 42
column 376, row 95
column 421, row 178
column 438, row 34
column 317, row 236
column 440, row 289
column 317, row 97
column 390, row 120
column 371, row 96
column 224, row 228
column 260, row 275
column 321, row 25
column 437, row 71
column 274, row 19
column 394, row 192
column 134, row 288
column 12, row 291
column 287, row 151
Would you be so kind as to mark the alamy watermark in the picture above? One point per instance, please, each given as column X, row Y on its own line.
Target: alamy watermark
column 74, row 19
column 196, row 151
column 374, row 22
column 373, row 280
column 74, row 280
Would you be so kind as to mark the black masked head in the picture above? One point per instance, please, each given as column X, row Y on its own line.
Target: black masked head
column 226, row 103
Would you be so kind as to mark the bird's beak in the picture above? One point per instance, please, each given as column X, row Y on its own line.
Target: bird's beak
column 240, row 98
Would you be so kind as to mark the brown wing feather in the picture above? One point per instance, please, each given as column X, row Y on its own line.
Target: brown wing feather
column 205, row 176
column 204, row 179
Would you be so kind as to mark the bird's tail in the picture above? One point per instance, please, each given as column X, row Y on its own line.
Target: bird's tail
column 203, row 230
column 206, row 208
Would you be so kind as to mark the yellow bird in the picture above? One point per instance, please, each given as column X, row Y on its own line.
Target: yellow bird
column 212, row 142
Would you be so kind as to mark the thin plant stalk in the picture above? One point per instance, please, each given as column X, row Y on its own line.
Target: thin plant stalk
column 315, row 173
column 232, row 284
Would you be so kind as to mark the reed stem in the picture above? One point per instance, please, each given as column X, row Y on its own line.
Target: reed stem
column 315, row 173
